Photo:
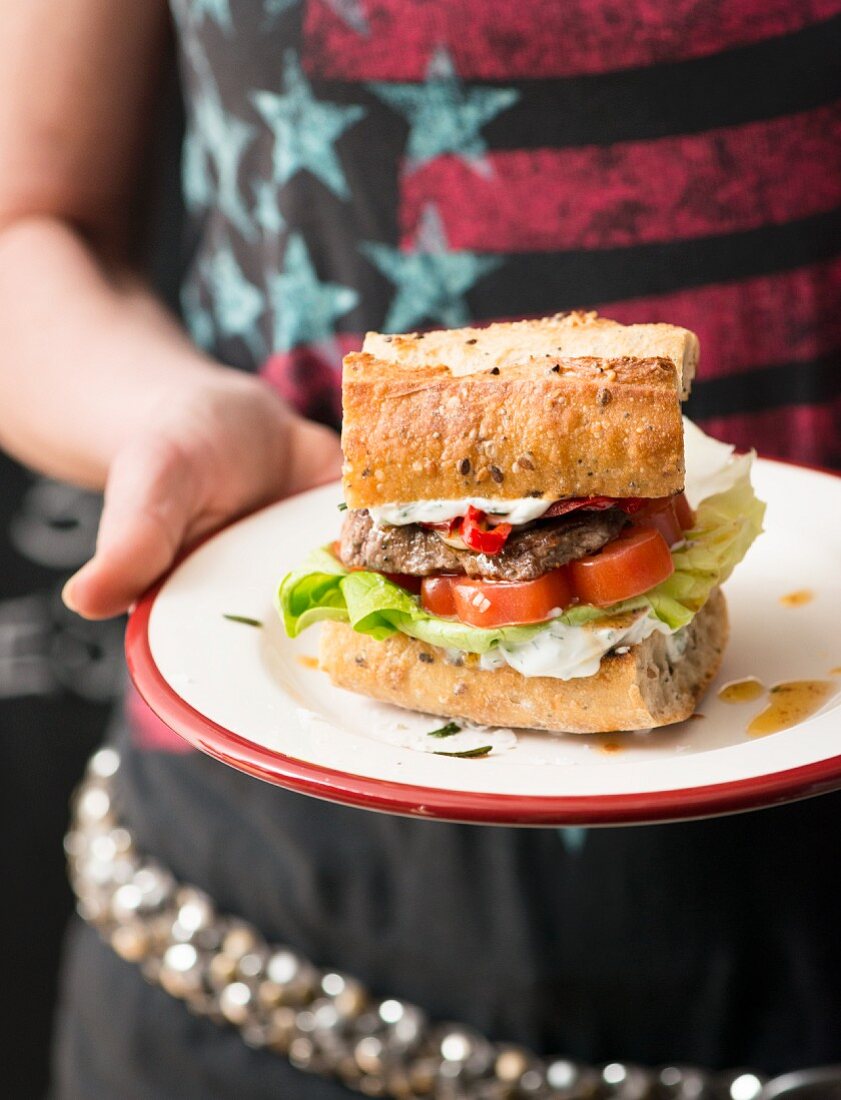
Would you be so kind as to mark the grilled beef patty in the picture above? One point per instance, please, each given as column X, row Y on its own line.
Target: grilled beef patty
column 528, row 552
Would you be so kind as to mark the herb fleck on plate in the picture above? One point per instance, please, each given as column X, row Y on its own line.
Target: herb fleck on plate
column 244, row 619
column 481, row 751
column 445, row 731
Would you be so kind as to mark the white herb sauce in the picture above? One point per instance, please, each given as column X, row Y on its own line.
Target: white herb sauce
column 567, row 652
column 518, row 510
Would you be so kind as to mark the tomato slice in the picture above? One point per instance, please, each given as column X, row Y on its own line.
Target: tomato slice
column 437, row 596
column 405, row 580
column 626, row 567
column 660, row 514
column 510, row 603
column 683, row 511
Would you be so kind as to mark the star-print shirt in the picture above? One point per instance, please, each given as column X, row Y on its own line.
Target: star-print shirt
column 389, row 164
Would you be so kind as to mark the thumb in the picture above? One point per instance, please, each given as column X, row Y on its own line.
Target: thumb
column 314, row 457
column 150, row 499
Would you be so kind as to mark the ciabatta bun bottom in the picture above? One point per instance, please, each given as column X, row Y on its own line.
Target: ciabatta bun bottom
column 635, row 690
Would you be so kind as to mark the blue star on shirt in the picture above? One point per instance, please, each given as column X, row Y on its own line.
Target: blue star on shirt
column 349, row 11
column 444, row 115
column 267, row 209
column 219, row 10
column 431, row 282
column 274, row 8
column 220, row 137
column 351, row 14
column 305, row 309
column 237, row 303
column 305, row 128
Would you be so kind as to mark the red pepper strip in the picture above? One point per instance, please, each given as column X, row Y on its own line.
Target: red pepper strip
column 478, row 538
column 594, row 504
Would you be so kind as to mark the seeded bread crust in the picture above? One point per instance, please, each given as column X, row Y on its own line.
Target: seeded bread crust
column 640, row 689
column 568, row 335
column 549, row 427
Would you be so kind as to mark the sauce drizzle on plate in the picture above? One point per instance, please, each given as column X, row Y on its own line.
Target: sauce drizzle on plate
column 790, row 703
column 742, row 691
column 798, row 598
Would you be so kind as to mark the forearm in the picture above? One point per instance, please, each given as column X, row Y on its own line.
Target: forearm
column 87, row 357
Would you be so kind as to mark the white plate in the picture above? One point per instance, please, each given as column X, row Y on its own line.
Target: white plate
column 248, row 696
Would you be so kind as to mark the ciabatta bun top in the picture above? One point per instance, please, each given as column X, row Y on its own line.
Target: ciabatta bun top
column 516, row 343
column 572, row 405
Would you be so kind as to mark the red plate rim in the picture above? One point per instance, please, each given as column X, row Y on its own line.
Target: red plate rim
column 386, row 796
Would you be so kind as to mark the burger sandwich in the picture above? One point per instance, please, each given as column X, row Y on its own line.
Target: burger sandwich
column 521, row 545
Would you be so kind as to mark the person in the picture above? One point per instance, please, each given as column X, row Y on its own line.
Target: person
column 352, row 165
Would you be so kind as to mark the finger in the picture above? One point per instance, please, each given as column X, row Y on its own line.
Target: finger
column 149, row 503
column 315, row 456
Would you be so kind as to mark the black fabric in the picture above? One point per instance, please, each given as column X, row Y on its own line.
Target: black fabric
column 707, row 942
column 147, row 1047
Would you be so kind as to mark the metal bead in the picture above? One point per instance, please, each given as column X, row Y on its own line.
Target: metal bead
column 391, row 1011
column 126, row 902
column 511, row 1064
column 627, row 1082
column 371, row 1086
column 155, row 884
column 683, row 1082
column 235, row 1003
column 255, row 1036
column 75, row 843
column 251, row 965
column 304, row 1055
column 422, row 1074
column 122, row 840
column 269, row 994
column 94, row 804
column 404, row 1022
column 532, row 1081
column 124, row 868
column 92, row 909
column 102, row 848
column 742, row 1085
column 159, row 927
column 295, row 977
column 131, row 941
column 348, row 995
column 222, row 970
column 368, row 1053
column 282, row 1028
column 352, row 1000
column 195, row 910
column 334, row 984
column 464, row 1050
column 180, row 972
column 455, row 1046
column 104, row 763
column 325, row 1014
column 239, row 940
column 568, row 1079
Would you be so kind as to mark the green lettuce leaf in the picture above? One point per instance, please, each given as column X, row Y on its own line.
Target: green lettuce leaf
column 372, row 604
column 726, row 525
